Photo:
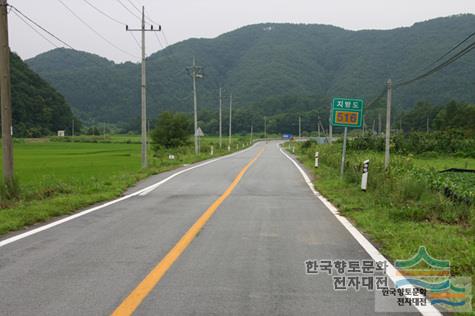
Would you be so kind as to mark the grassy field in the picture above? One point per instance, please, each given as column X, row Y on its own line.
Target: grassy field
column 399, row 212
column 57, row 178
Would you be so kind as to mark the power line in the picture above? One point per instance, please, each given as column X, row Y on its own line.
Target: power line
column 136, row 8
column 453, row 48
column 104, row 13
column 376, row 99
column 96, row 32
column 158, row 40
column 135, row 39
column 126, row 8
column 440, row 66
column 39, row 26
column 35, row 30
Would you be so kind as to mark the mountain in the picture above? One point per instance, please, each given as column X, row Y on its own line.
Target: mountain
column 38, row 109
column 265, row 62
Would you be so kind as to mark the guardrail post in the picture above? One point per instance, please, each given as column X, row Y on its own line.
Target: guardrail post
column 316, row 159
column 212, row 150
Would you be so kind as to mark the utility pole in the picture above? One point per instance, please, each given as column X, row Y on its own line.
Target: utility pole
column 220, row 119
column 364, row 123
column 427, row 125
column 300, row 126
column 5, row 97
column 196, row 73
column 372, row 129
column 388, row 124
column 265, row 128
column 251, row 132
column 104, row 130
column 144, row 87
column 330, row 128
column 318, row 125
column 72, row 131
column 230, row 119
column 379, row 123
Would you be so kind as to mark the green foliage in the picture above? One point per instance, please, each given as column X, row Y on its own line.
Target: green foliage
column 419, row 194
column 9, row 192
column 38, row 109
column 432, row 143
column 172, row 130
column 58, row 178
column 269, row 67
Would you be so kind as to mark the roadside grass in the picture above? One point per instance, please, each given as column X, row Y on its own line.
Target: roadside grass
column 57, row 178
column 399, row 212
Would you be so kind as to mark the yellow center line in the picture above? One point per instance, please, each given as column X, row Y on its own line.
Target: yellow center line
column 135, row 298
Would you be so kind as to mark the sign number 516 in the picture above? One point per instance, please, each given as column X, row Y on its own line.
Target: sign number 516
column 347, row 117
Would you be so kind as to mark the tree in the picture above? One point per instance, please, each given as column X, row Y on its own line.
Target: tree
column 172, row 130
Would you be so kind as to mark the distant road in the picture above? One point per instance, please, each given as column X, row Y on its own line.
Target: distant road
column 230, row 237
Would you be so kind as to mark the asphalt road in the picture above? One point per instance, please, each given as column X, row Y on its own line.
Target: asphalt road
column 248, row 259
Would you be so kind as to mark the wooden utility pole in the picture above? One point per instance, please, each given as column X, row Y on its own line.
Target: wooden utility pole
column 379, row 123
column 144, row 88
column 230, row 119
column 196, row 73
column 252, row 134
column 300, row 126
column 5, row 97
column 388, row 124
column 220, row 118
column 265, row 128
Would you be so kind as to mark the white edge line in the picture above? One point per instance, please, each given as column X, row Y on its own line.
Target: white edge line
column 391, row 271
column 141, row 192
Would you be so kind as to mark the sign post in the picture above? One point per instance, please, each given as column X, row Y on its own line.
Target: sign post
column 346, row 113
column 198, row 134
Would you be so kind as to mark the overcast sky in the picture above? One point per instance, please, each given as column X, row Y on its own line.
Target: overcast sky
column 183, row 19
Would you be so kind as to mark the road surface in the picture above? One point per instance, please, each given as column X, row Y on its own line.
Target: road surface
column 248, row 258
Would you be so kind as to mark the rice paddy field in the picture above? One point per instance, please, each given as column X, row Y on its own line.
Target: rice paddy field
column 59, row 177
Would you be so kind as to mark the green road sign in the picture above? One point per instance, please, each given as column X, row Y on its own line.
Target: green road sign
column 347, row 112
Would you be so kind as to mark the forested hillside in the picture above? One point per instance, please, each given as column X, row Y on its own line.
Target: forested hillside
column 270, row 64
column 38, row 109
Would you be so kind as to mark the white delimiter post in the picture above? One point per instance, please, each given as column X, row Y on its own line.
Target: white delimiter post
column 364, row 177
column 316, row 159
column 388, row 124
column 343, row 154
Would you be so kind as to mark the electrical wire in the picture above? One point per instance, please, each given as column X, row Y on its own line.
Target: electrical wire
column 376, row 99
column 39, row 26
column 104, row 13
column 460, row 54
column 126, row 8
column 158, row 40
column 135, row 7
column 96, row 32
column 135, row 39
column 453, row 48
column 35, row 30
